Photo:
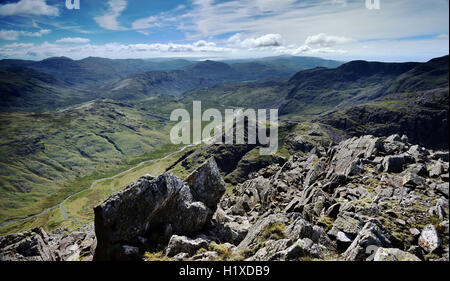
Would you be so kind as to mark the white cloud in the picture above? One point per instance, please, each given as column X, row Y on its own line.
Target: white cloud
column 145, row 23
column 9, row 34
column 268, row 40
column 109, row 19
column 203, row 43
column 75, row 40
column 113, row 50
column 324, row 40
column 15, row 34
column 28, row 7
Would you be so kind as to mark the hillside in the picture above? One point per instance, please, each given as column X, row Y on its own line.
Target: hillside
column 22, row 88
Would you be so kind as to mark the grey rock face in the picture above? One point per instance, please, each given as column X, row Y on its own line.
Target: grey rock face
column 152, row 207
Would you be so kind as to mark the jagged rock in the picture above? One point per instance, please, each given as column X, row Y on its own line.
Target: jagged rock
column 183, row 244
column 300, row 229
column 355, row 168
column 314, row 201
column 393, row 164
column 352, row 149
column 442, row 188
column 372, row 235
column 343, row 241
column 348, row 223
column 230, row 228
column 258, row 228
column 418, row 152
column 429, row 239
column 31, row 245
column 418, row 169
column 412, row 180
column 272, row 250
column 393, row 144
column 301, row 248
column 293, row 206
column 435, row 169
column 393, row 254
column 314, row 173
column 151, row 207
column 206, row 184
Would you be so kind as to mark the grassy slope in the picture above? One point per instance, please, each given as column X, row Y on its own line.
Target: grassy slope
column 47, row 156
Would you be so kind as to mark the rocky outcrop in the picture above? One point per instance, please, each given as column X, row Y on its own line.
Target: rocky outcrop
column 32, row 245
column 60, row 245
column 367, row 198
column 149, row 211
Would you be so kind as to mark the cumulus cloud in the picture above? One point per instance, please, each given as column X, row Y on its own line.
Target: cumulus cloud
column 109, row 19
column 324, row 40
column 75, row 40
column 203, row 43
column 15, row 34
column 268, row 40
column 28, row 7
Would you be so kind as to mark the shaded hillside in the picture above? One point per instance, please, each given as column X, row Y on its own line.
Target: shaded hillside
column 23, row 88
column 422, row 116
column 153, row 83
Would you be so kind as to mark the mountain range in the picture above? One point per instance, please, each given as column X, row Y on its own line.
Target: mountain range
column 90, row 78
column 67, row 123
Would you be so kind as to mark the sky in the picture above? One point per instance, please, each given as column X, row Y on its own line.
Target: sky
column 395, row 30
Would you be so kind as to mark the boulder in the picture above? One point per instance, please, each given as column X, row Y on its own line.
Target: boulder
column 183, row 244
column 412, row 180
column 442, row 188
column 429, row 239
column 393, row 164
column 314, row 173
column 355, row 168
column 393, row 254
column 206, row 184
column 258, row 229
column 351, row 149
column 372, row 235
column 343, row 241
column 156, row 209
column 435, row 169
column 348, row 223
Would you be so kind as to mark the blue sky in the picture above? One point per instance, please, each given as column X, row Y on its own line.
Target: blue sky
column 401, row 30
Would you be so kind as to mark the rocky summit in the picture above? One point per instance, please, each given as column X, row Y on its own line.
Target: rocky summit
column 365, row 198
